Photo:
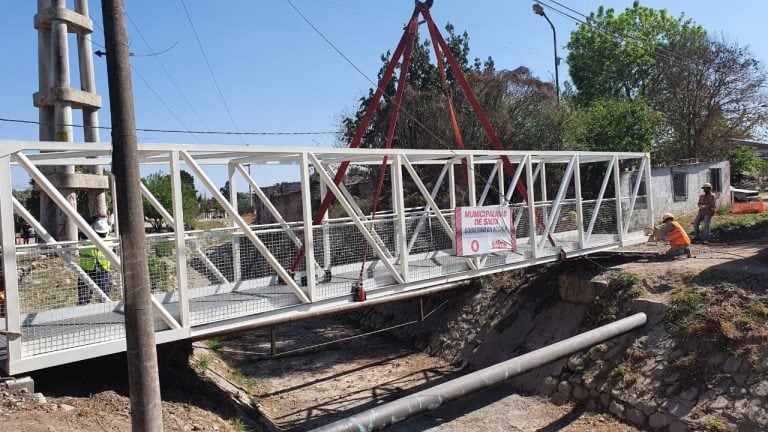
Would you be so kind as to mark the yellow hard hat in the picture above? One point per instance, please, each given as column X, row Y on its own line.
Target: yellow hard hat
column 666, row 216
column 572, row 214
column 706, row 186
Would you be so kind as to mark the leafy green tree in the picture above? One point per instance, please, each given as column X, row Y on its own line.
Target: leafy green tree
column 160, row 185
column 743, row 159
column 520, row 107
column 611, row 125
column 613, row 56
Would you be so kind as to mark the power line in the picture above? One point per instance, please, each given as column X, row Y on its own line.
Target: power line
column 661, row 51
column 162, row 101
column 170, row 77
column 9, row 120
column 208, row 64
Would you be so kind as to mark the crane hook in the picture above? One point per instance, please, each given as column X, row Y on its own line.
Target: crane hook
column 427, row 3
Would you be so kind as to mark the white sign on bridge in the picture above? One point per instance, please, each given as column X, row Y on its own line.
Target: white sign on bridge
column 481, row 230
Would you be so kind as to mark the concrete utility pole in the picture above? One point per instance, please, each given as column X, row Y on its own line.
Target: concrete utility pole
column 56, row 100
column 143, row 377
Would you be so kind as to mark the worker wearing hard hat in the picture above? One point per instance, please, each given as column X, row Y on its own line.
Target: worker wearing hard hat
column 674, row 233
column 95, row 264
column 707, row 207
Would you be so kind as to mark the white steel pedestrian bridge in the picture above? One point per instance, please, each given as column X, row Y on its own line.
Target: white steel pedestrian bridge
column 211, row 281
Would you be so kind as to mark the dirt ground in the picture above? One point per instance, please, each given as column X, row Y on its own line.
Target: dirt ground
column 326, row 370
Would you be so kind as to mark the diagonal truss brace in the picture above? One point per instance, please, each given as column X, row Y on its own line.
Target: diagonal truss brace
column 232, row 212
column 356, row 219
column 73, row 215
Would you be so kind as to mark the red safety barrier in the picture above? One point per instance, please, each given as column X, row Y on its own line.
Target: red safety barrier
column 748, row 207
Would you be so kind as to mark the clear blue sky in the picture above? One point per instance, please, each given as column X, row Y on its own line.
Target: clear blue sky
column 277, row 74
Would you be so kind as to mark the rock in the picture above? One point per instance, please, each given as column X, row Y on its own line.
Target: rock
column 66, row 408
column 657, row 420
column 605, row 400
column 40, row 399
column 636, row 417
column 739, row 378
column 580, row 393
column 564, row 388
column 673, row 378
column 689, row 394
column 680, row 408
column 760, row 389
column 574, row 289
column 616, row 408
column 548, row 386
column 732, row 365
column 720, row 403
column 678, row 426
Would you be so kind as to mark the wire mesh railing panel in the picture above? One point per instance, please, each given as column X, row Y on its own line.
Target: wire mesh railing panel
column 605, row 228
column 639, row 219
column 161, row 260
column 209, row 256
column 231, row 278
column 60, row 303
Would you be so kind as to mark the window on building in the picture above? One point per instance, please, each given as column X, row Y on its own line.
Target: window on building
column 714, row 178
column 680, row 186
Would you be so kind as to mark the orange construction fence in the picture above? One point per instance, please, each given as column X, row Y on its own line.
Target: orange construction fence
column 748, row 207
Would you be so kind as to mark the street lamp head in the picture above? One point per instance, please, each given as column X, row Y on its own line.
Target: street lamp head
column 538, row 9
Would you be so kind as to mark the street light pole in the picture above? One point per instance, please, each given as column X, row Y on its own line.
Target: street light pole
column 539, row 10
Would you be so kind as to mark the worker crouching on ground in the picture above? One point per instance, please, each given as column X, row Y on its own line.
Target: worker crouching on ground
column 707, row 207
column 674, row 233
column 96, row 265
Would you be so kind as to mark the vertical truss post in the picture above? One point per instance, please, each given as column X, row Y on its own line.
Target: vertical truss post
column 179, row 238
column 599, row 200
column 471, row 181
column 531, row 208
column 633, row 196
column 236, row 266
column 10, row 270
column 557, row 203
column 356, row 219
column 617, row 187
column 326, row 232
column 579, row 207
column 648, row 191
column 265, row 252
column 398, row 200
column 452, row 186
column 544, row 195
column 500, row 185
column 306, row 208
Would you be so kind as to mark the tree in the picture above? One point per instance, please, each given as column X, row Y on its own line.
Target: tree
column 159, row 185
column 613, row 56
column 612, row 125
column 743, row 159
column 717, row 91
column 520, row 107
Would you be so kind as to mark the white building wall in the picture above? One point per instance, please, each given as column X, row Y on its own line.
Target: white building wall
column 664, row 200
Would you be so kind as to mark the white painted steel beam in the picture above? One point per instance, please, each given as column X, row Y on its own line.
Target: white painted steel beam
column 232, row 212
column 383, row 256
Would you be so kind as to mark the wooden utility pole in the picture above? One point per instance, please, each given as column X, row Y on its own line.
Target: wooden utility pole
column 143, row 377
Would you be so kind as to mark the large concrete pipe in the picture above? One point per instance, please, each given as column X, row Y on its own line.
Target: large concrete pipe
column 429, row 399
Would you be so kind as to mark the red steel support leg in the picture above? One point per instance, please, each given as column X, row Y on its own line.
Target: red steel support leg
column 362, row 127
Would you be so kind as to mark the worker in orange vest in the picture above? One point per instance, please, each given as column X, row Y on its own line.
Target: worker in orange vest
column 674, row 233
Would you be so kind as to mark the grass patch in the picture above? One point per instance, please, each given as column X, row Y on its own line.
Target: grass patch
column 609, row 305
column 715, row 425
column 202, row 363
column 212, row 344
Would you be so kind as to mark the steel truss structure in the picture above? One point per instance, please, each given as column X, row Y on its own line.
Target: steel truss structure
column 207, row 282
